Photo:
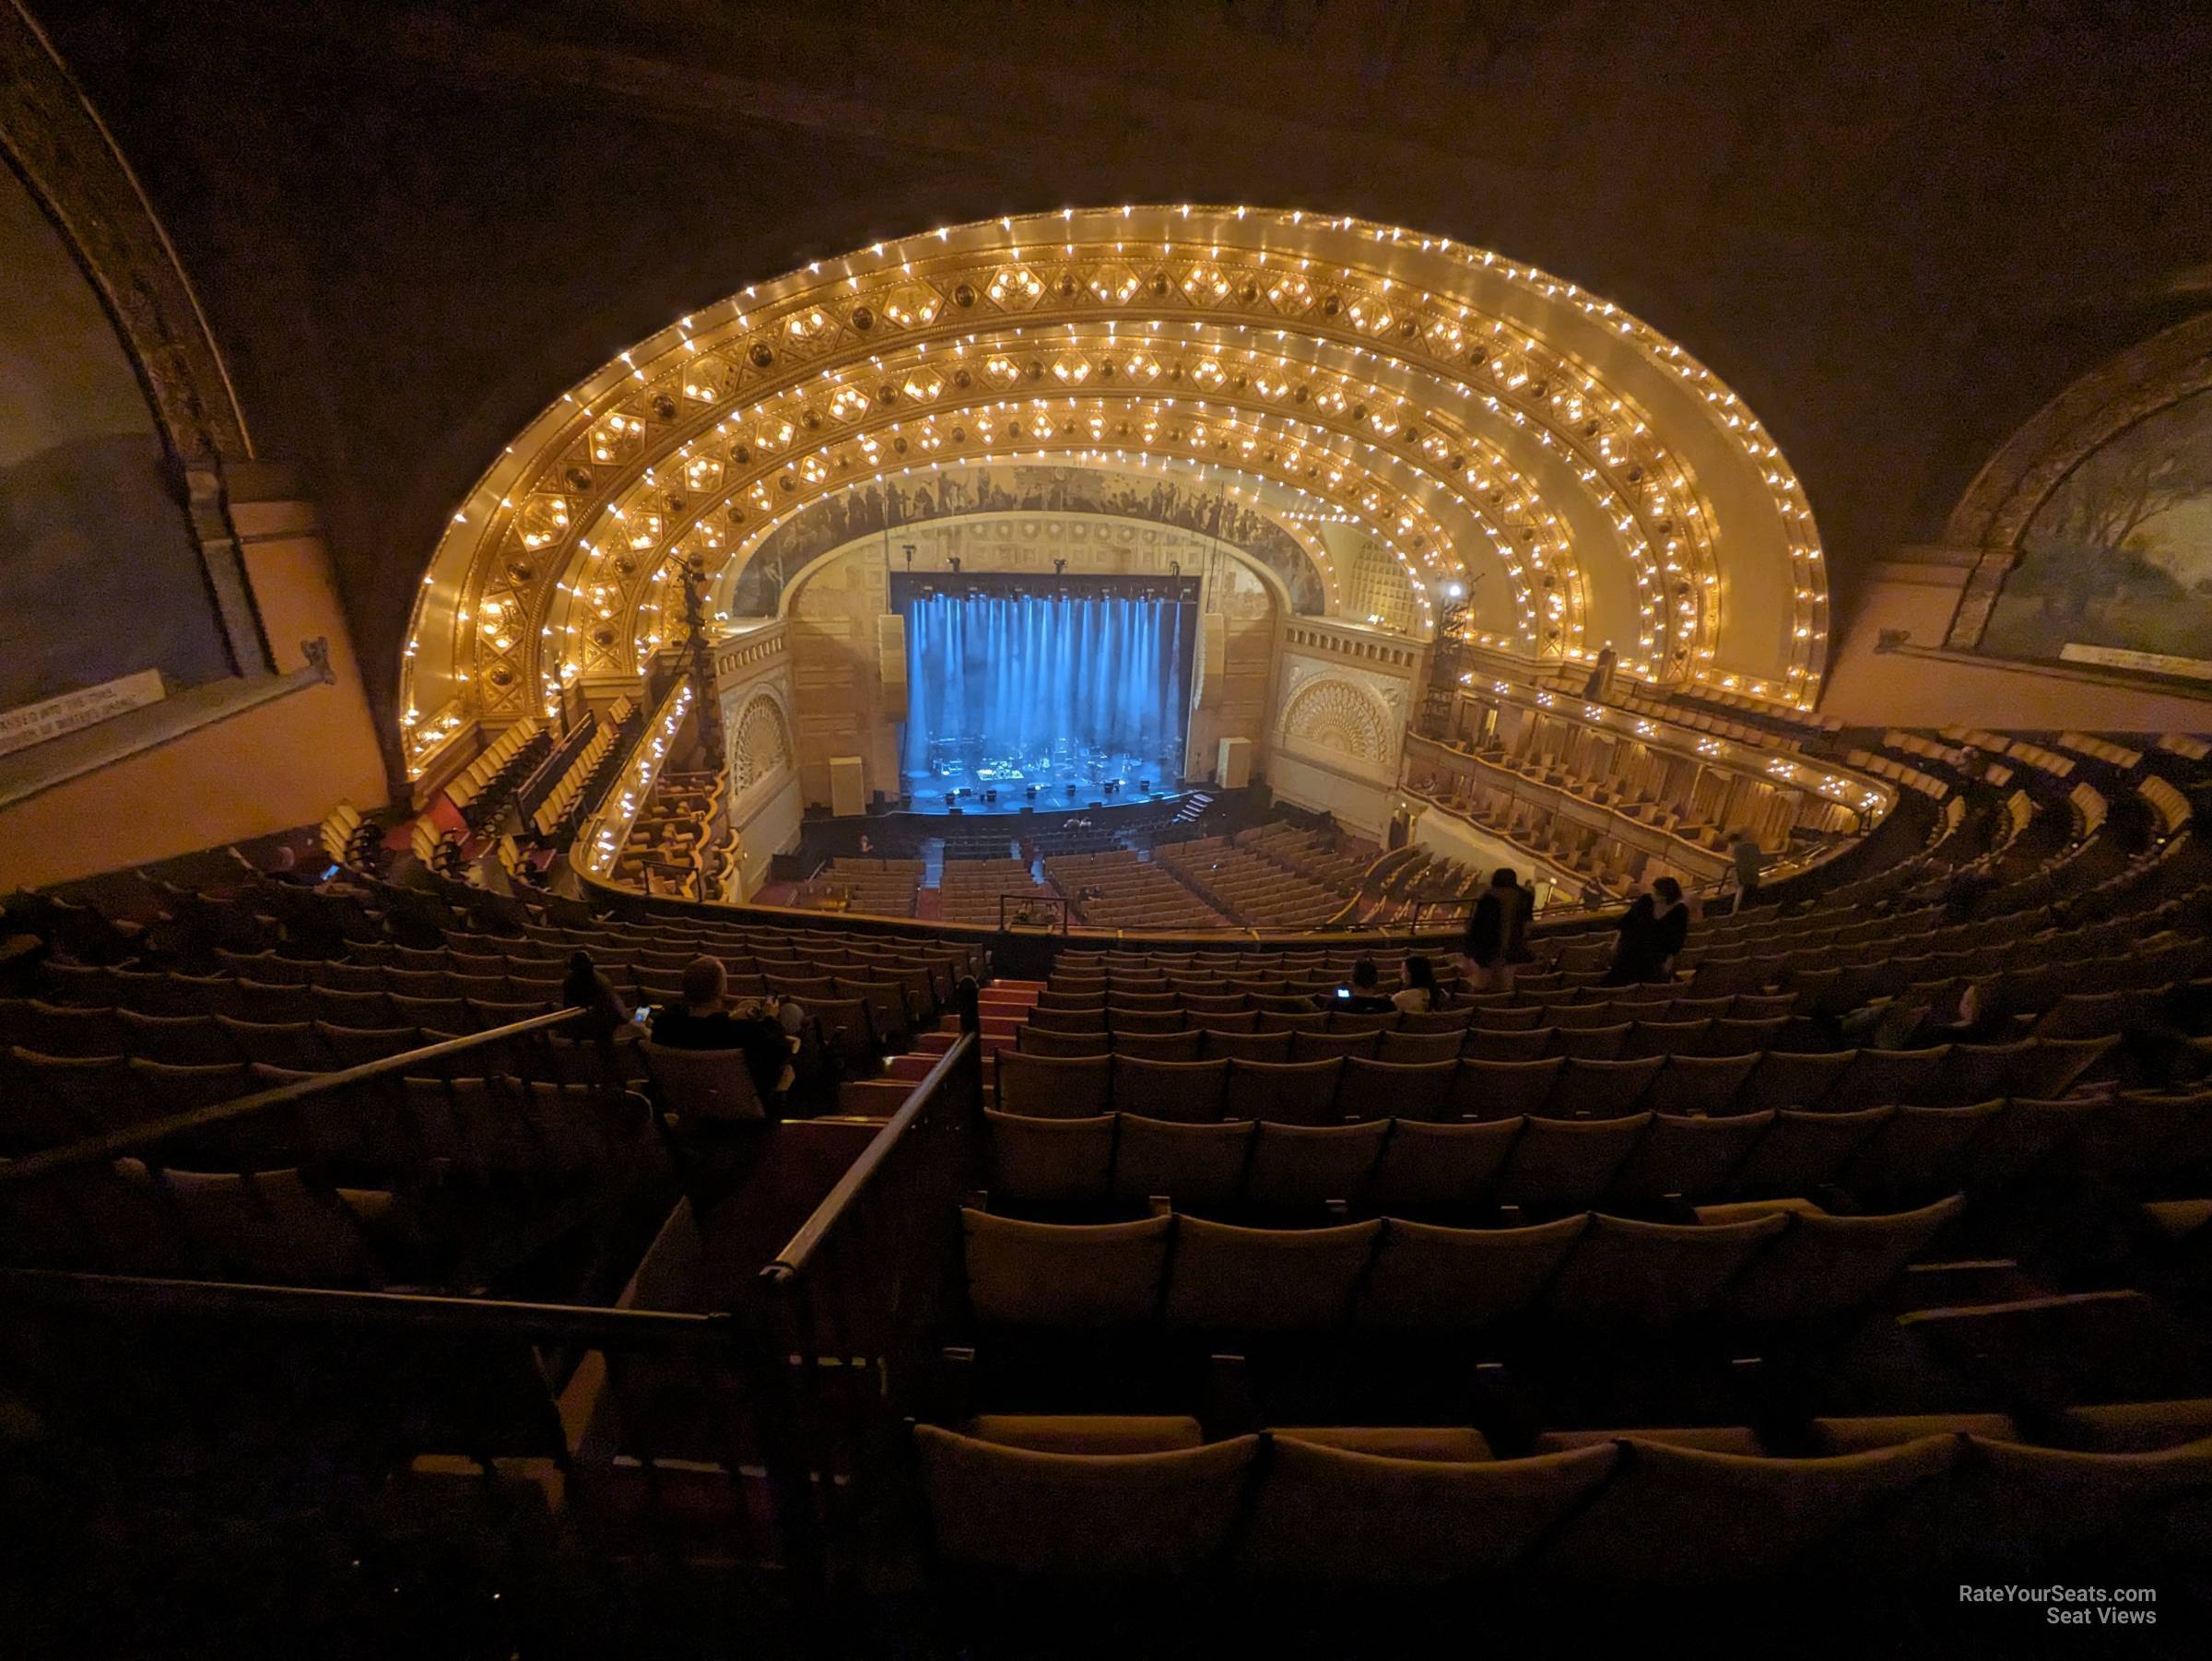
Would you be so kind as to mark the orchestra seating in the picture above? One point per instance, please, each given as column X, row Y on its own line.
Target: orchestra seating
column 882, row 887
column 969, row 889
column 1250, row 886
column 1119, row 890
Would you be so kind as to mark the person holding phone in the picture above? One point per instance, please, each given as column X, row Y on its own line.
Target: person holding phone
column 1363, row 996
column 762, row 1029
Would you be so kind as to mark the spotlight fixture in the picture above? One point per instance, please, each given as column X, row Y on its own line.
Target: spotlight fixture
column 1175, row 568
column 954, row 560
column 1059, row 568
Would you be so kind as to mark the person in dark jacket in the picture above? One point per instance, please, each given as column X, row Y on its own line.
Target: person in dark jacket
column 762, row 1032
column 1497, row 938
column 1653, row 930
column 1363, row 996
column 583, row 987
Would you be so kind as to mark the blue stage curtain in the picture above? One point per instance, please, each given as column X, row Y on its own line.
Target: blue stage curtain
column 1024, row 674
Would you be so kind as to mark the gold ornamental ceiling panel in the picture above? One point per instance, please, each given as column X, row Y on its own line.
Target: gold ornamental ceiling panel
column 1473, row 417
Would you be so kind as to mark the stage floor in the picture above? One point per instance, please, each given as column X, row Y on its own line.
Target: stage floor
column 1114, row 778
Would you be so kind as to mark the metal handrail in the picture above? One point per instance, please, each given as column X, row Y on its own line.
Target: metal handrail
column 97, row 1149
column 801, row 1247
column 592, row 1324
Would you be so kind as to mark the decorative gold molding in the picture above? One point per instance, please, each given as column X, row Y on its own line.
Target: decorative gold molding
column 1408, row 354
column 56, row 141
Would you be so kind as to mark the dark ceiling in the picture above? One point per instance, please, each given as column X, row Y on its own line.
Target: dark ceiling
column 1896, row 229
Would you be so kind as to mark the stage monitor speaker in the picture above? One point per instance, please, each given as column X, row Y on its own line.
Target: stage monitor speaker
column 1213, row 658
column 848, row 786
column 891, row 663
column 1234, row 770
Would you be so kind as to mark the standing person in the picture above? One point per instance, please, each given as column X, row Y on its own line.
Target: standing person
column 1652, row 931
column 1497, row 938
column 1749, row 863
column 1417, row 992
column 1601, row 676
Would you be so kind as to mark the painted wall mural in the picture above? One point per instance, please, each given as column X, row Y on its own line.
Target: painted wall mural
column 888, row 504
column 2116, row 567
column 98, row 574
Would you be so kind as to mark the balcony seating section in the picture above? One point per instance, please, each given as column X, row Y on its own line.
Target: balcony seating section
column 1494, row 1309
column 676, row 827
column 582, row 765
column 483, row 788
column 91, row 1048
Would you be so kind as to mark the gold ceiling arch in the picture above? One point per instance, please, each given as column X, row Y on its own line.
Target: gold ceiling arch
column 1471, row 411
column 1247, row 493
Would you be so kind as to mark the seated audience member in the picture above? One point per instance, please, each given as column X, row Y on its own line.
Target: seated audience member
column 2160, row 1047
column 1980, row 1017
column 1364, row 996
column 1417, row 992
column 284, row 866
column 1652, row 931
column 763, row 1029
column 606, row 1015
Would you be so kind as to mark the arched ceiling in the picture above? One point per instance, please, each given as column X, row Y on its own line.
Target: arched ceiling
column 1479, row 418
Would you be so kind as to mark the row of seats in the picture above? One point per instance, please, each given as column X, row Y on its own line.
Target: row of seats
column 969, row 891
column 1146, row 1499
column 1255, row 1035
column 1118, row 890
column 1302, row 998
column 1333, row 1086
column 1188, row 1274
column 445, row 1181
column 1329, row 858
column 569, row 790
column 1250, row 888
column 481, row 787
column 1542, row 1166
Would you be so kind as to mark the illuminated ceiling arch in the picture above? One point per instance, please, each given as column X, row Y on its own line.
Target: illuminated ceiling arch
column 1474, row 416
column 761, row 586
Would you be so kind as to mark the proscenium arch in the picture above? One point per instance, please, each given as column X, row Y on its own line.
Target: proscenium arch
column 1279, row 594
column 1664, row 508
